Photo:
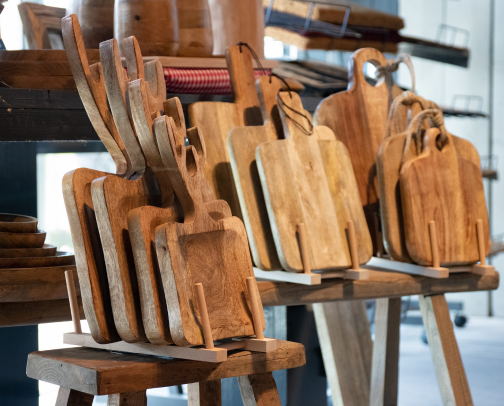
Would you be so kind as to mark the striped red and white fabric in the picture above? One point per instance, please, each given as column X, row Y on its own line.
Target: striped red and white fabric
column 201, row 81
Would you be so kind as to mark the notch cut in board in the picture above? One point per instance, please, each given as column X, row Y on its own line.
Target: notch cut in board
column 308, row 179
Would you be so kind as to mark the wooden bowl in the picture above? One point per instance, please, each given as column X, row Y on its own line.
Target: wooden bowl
column 22, row 240
column 46, row 251
column 60, row 259
column 13, row 223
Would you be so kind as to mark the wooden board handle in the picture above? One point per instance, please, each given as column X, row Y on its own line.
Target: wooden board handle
column 205, row 321
column 256, row 317
column 481, row 241
column 72, row 298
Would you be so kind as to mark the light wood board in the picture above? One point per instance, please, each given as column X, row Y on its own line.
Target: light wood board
column 217, row 118
column 297, row 188
column 434, row 188
column 358, row 118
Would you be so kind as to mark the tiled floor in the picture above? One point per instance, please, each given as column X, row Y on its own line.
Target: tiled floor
column 481, row 343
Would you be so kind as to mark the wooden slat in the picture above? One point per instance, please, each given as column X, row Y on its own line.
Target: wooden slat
column 101, row 372
column 128, row 399
column 70, row 397
column 259, row 390
column 450, row 373
column 40, row 99
column 379, row 284
column 204, row 393
column 29, row 313
column 46, row 125
column 345, row 341
column 385, row 370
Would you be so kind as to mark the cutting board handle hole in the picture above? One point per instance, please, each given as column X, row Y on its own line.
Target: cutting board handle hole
column 370, row 71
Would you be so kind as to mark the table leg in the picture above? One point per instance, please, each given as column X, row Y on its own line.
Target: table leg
column 385, row 368
column 204, row 393
column 259, row 390
column 345, row 341
column 128, row 399
column 445, row 353
column 70, row 397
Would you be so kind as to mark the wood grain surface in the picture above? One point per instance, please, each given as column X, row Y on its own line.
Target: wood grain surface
column 241, row 145
column 259, row 390
column 201, row 250
column 14, row 223
column 195, row 28
column 89, row 255
column 61, row 258
column 436, row 186
column 46, row 250
column 358, row 118
column 22, row 240
column 389, row 160
column 217, row 118
column 302, row 177
column 102, row 372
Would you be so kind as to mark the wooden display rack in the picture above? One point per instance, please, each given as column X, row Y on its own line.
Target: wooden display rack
column 435, row 271
column 209, row 353
column 307, row 277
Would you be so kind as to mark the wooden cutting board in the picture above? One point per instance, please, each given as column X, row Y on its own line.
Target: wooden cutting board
column 217, row 118
column 297, row 189
column 77, row 188
column 61, row 258
column 358, row 118
column 202, row 250
column 241, row 145
column 389, row 161
column 143, row 221
column 46, row 251
column 115, row 197
column 432, row 188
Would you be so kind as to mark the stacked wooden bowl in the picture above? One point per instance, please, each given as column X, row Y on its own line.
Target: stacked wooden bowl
column 30, row 270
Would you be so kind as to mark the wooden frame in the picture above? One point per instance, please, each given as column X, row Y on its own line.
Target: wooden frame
column 42, row 25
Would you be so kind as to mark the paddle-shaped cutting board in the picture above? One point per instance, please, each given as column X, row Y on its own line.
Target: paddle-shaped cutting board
column 241, row 144
column 391, row 154
column 201, row 250
column 306, row 179
column 441, row 186
column 358, row 118
column 77, row 188
column 143, row 221
column 217, row 118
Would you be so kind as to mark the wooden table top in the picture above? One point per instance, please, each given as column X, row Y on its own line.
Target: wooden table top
column 379, row 284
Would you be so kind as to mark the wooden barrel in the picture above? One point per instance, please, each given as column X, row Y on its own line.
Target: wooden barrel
column 96, row 18
column 236, row 21
column 195, row 28
column 154, row 23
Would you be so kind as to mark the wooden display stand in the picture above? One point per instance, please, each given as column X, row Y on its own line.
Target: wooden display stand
column 307, row 277
column 435, row 271
column 210, row 353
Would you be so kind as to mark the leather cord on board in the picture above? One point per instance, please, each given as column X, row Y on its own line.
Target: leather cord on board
column 282, row 106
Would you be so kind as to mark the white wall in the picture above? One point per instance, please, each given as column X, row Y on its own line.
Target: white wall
column 439, row 82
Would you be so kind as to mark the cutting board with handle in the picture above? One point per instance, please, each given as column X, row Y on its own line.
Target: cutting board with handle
column 241, row 145
column 143, row 221
column 201, row 250
column 217, row 118
column 392, row 153
column 435, row 186
column 358, row 118
column 115, row 197
column 89, row 259
column 297, row 189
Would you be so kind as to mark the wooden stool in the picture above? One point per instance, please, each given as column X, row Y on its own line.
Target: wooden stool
column 83, row 373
